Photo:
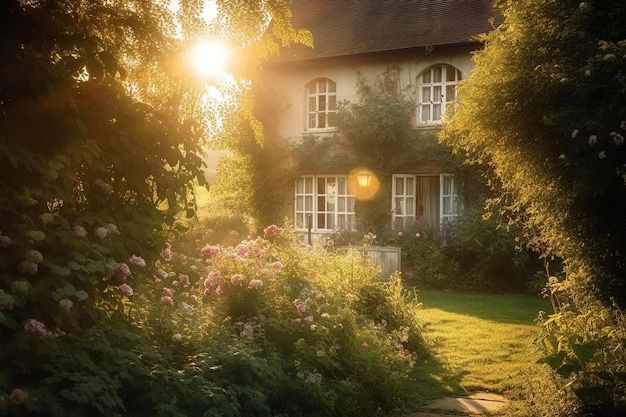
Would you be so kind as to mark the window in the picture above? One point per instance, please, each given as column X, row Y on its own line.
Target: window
column 323, row 203
column 437, row 92
column 428, row 199
column 321, row 103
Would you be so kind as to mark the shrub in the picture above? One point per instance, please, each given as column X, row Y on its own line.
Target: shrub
column 261, row 328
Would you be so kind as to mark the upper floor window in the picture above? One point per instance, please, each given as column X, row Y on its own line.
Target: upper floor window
column 437, row 92
column 321, row 103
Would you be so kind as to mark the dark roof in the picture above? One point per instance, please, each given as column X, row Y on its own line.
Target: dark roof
column 354, row 27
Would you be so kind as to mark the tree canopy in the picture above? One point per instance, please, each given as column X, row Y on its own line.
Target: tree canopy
column 544, row 110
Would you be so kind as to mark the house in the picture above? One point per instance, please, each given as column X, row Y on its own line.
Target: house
column 429, row 42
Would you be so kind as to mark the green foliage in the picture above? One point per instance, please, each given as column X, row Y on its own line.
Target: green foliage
column 471, row 253
column 543, row 113
column 261, row 328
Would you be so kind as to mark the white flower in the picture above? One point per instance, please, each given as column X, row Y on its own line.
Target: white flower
column 46, row 218
column 79, row 231
column 101, row 232
column 177, row 337
column 5, row 241
column 20, row 287
column 33, row 256
column 112, row 229
column 65, row 305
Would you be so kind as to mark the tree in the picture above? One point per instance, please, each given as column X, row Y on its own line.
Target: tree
column 543, row 112
column 543, row 109
column 102, row 131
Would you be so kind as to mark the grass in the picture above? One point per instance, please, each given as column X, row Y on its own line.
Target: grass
column 481, row 342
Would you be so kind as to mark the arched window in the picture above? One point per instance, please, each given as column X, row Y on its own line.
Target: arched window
column 437, row 92
column 321, row 103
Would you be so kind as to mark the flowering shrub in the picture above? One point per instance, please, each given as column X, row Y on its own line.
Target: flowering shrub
column 264, row 326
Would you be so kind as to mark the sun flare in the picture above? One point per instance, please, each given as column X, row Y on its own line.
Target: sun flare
column 210, row 58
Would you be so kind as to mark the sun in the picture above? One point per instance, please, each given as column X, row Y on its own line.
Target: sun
column 210, row 58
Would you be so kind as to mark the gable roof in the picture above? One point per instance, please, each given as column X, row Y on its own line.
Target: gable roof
column 355, row 27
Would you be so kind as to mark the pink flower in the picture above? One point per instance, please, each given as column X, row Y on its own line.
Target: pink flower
column 167, row 300
column 137, row 261
column 183, row 278
column 406, row 352
column 301, row 307
column 400, row 234
column 255, row 283
column 121, row 271
column 207, row 291
column 272, row 230
column 219, row 290
column 236, row 279
column 161, row 274
column 618, row 139
column 242, row 249
column 417, row 235
column 126, row 289
column 35, row 327
column 277, row 265
column 593, row 139
column 212, row 279
column 308, row 247
column 339, row 326
column 166, row 254
column 209, row 250
column 364, row 345
column 330, row 244
column 308, row 318
column 168, row 291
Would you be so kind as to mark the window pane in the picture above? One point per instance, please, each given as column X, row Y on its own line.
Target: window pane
column 322, row 121
column 322, row 103
column 330, row 224
column 321, row 203
column 437, row 94
column 322, row 86
column 341, row 186
column 450, row 93
column 426, row 77
column 312, row 121
column 332, row 87
column 437, row 74
column 409, row 186
column 341, row 204
column 436, row 111
column 312, row 88
column 425, row 113
column 409, row 206
column 332, row 102
column 312, row 104
column 299, row 203
column 321, row 221
column 400, row 186
column 308, row 203
column 351, row 204
column 398, row 206
column 308, row 187
column 426, row 95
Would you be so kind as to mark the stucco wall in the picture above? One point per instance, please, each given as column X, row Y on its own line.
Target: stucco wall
column 287, row 82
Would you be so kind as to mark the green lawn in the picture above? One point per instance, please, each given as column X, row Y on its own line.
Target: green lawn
column 480, row 342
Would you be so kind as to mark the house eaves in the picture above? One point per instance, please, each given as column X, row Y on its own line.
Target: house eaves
column 348, row 28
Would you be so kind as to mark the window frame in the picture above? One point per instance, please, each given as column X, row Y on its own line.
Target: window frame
column 336, row 207
column 325, row 97
column 451, row 199
column 437, row 84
